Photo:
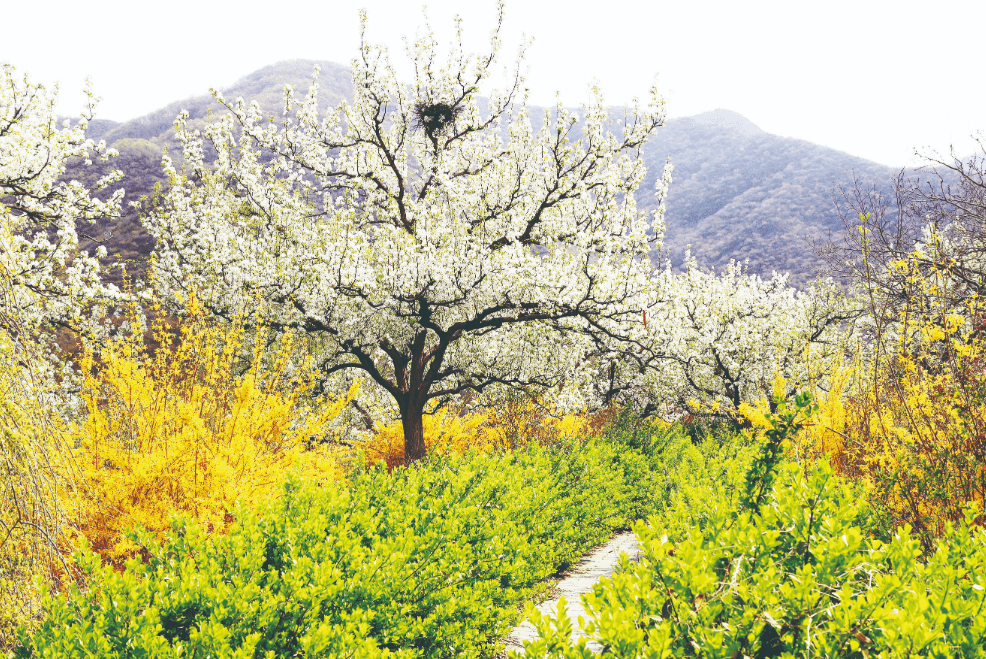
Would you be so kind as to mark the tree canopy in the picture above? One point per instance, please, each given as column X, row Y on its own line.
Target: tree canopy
column 435, row 245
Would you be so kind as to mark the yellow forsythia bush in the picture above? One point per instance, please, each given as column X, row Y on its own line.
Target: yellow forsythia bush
column 909, row 422
column 515, row 423
column 444, row 431
column 911, row 428
column 825, row 432
column 509, row 425
column 917, row 421
column 181, row 430
column 919, row 428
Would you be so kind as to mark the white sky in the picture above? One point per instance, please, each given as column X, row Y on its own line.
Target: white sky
column 873, row 78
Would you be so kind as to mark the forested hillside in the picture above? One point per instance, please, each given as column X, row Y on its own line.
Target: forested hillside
column 741, row 193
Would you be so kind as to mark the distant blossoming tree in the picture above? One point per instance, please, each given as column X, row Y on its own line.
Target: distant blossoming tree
column 433, row 240
column 727, row 338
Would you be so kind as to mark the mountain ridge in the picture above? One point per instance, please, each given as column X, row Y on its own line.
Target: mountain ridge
column 738, row 192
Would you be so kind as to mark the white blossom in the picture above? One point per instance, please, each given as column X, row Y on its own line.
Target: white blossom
column 46, row 280
column 724, row 339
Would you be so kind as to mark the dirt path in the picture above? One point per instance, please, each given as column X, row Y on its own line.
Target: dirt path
column 601, row 562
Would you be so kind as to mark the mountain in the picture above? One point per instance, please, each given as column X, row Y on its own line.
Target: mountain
column 98, row 128
column 141, row 142
column 266, row 86
column 738, row 192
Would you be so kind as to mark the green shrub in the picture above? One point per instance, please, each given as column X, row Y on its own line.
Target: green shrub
column 679, row 478
column 429, row 561
column 803, row 577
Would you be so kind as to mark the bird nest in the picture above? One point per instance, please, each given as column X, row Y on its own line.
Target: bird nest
column 435, row 118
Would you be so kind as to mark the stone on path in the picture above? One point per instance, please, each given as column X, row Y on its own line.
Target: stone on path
column 601, row 562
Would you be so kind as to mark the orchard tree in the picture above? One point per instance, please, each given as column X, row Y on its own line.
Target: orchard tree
column 437, row 242
column 45, row 280
column 722, row 340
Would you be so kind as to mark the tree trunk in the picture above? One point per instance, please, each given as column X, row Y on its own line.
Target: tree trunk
column 414, row 433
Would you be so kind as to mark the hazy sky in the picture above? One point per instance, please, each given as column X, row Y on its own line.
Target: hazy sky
column 873, row 78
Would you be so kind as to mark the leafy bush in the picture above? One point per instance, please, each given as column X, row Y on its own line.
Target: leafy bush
column 426, row 561
column 681, row 478
column 803, row 578
column 782, row 425
column 189, row 429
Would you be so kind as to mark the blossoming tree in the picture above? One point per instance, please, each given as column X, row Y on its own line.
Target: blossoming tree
column 725, row 339
column 437, row 242
column 45, row 279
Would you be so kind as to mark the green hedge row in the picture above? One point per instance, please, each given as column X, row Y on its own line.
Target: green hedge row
column 806, row 574
column 429, row 561
column 687, row 471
